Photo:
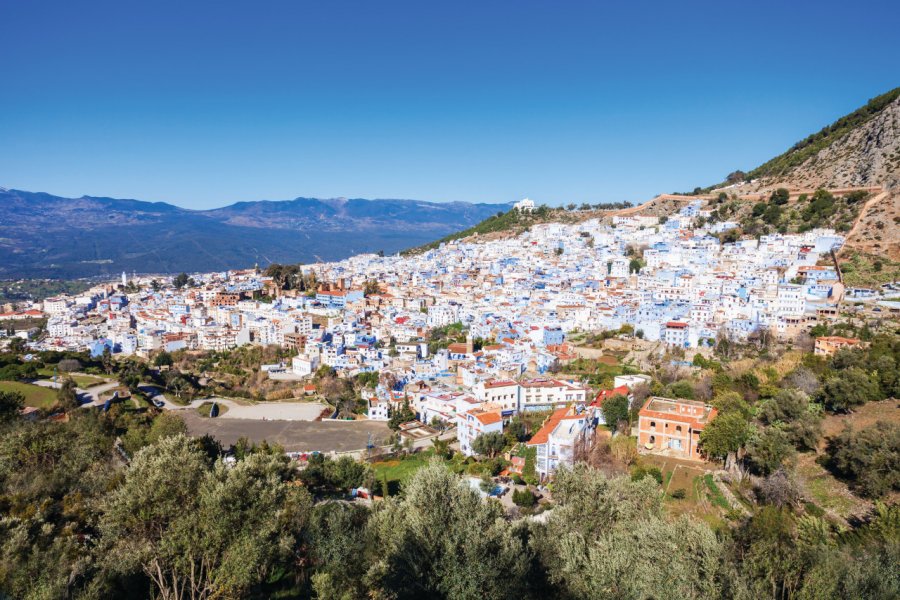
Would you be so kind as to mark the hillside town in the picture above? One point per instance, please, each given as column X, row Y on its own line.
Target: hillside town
column 472, row 333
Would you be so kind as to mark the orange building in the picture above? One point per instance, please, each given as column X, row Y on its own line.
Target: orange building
column 672, row 427
column 828, row 345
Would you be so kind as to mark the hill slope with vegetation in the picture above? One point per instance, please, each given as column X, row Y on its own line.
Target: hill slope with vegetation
column 861, row 149
column 867, row 131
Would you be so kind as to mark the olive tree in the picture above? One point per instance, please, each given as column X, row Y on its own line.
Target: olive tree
column 441, row 540
column 199, row 530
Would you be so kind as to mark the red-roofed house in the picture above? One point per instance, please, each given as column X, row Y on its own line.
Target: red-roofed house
column 605, row 395
column 556, row 440
column 474, row 423
column 828, row 345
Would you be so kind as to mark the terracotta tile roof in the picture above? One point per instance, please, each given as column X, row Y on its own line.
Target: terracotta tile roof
column 486, row 417
column 550, row 424
column 622, row 390
column 836, row 339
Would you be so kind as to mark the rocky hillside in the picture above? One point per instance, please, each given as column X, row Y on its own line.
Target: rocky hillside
column 861, row 149
column 858, row 150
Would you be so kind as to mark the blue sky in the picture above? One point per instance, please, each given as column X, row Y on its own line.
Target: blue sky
column 202, row 104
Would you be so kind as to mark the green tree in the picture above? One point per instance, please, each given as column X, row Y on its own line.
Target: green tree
column 163, row 359
column 682, row 389
column 516, row 431
column 594, row 543
column 67, row 395
column 371, row 288
column 730, row 401
column 180, row 281
column 523, row 498
column 166, row 424
column 10, row 405
column 803, row 420
column 489, row 444
column 724, row 435
column 769, row 450
column 440, row 540
column 615, row 411
column 16, row 345
column 869, row 458
column 337, row 548
column 202, row 531
column 106, row 360
column 402, row 415
column 780, row 196
column 851, row 387
column 635, row 265
column 769, row 553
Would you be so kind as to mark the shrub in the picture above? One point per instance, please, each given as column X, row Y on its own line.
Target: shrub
column 679, row 494
column 640, row 472
column 869, row 458
column 770, row 450
column 523, row 498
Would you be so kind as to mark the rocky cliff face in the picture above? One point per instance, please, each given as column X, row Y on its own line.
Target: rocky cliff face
column 862, row 153
column 868, row 155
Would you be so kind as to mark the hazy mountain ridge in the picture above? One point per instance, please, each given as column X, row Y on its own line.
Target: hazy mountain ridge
column 42, row 235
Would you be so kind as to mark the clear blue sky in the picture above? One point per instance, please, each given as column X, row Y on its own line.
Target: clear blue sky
column 206, row 103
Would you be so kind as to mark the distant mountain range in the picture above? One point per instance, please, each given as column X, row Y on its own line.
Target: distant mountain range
column 48, row 236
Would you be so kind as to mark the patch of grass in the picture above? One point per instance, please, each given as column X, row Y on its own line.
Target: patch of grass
column 82, row 381
column 715, row 494
column 205, row 409
column 812, row 509
column 825, row 491
column 35, row 395
column 398, row 471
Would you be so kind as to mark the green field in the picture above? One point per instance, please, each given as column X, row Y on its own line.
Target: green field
column 398, row 471
column 35, row 395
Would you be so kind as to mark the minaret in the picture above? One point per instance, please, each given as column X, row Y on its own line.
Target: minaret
column 124, row 279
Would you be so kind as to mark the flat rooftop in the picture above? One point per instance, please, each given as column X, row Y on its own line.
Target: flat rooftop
column 692, row 409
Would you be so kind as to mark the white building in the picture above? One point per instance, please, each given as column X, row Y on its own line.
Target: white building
column 525, row 205
column 556, row 441
column 304, row 365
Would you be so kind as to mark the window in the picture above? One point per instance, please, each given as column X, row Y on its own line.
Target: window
column 678, row 429
column 653, row 424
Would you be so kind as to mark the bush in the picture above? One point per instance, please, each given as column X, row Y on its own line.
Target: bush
column 869, row 458
column 769, row 451
column 523, row 498
column 641, row 472
column 679, row 494
column 852, row 387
